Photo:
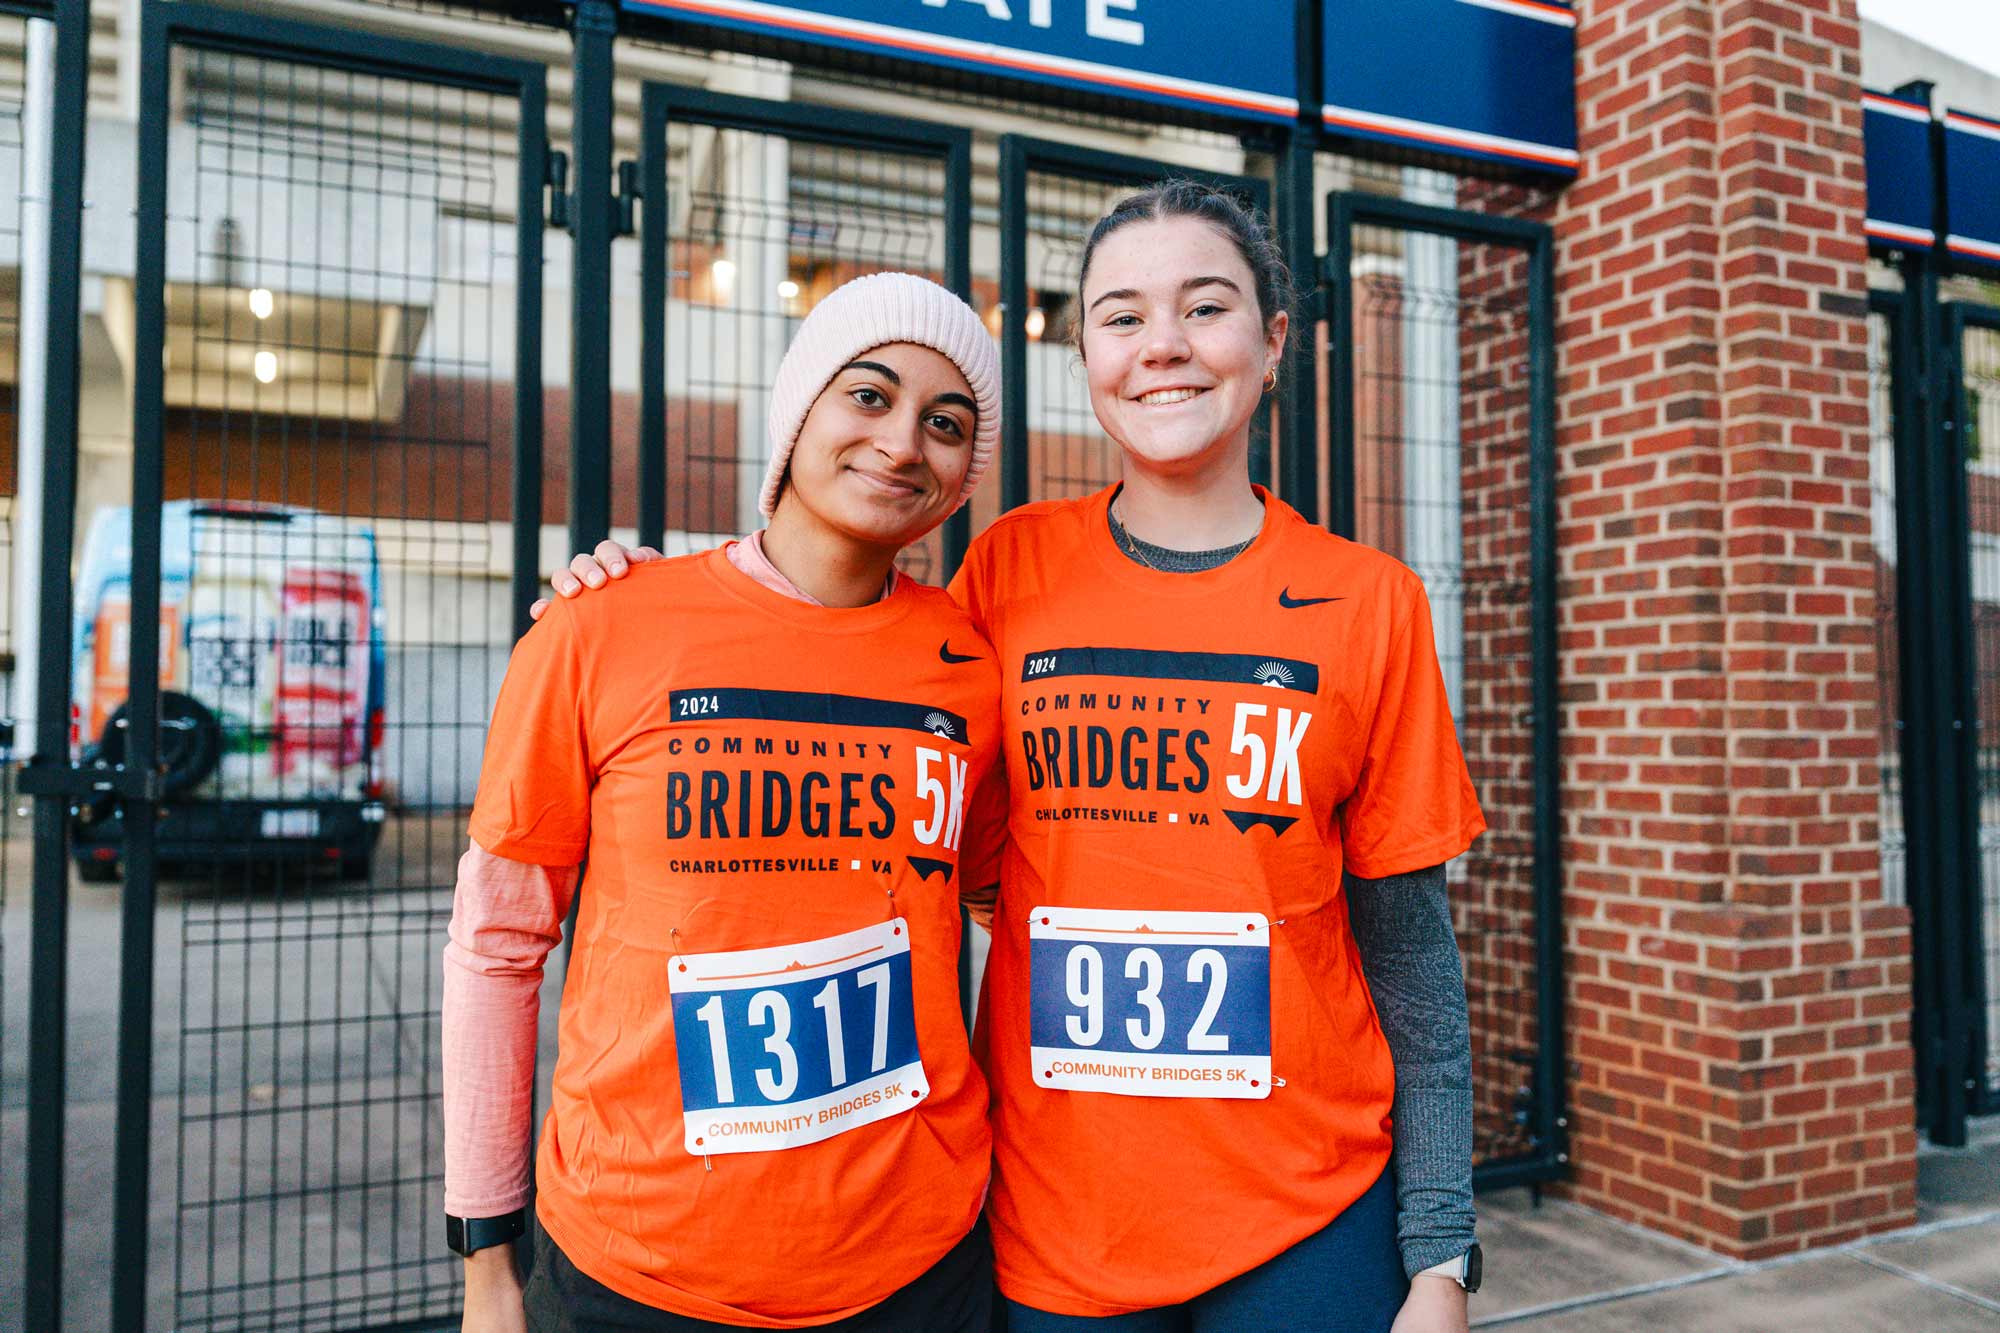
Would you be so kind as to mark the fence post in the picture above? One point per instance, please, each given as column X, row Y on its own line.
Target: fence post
column 593, row 220
column 1296, row 477
column 49, row 973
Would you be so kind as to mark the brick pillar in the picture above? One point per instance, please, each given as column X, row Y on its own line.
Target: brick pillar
column 1739, row 992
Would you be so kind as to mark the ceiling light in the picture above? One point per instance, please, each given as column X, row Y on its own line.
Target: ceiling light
column 1038, row 320
column 265, row 366
column 260, row 302
column 723, row 274
column 789, row 290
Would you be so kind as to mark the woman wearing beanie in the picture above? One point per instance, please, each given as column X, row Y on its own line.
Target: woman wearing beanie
column 1234, row 782
column 772, row 757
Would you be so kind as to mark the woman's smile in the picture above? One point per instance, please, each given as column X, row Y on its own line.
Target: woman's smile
column 1168, row 397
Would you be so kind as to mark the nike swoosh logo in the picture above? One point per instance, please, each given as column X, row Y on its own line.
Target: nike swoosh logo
column 1285, row 599
column 950, row 658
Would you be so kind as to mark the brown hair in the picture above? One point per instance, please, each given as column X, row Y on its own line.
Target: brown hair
column 1179, row 197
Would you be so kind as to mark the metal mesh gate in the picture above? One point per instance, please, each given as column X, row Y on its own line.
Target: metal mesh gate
column 1067, row 453
column 1440, row 457
column 1978, row 360
column 1934, row 368
column 341, row 412
column 338, row 501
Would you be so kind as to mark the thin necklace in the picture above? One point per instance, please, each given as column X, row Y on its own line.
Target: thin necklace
column 1132, row 544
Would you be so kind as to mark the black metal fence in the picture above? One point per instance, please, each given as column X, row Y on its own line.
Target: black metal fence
column 347, row 475
column 1935, row 367
column 333, row 412
column 1442, row 453
column 1975, row 329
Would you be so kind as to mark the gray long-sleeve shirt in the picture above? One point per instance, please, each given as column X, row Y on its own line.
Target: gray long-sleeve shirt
column 1402, row 925
column 1409, row 955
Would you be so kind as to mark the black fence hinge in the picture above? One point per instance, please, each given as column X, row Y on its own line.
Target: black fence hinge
column 556, row 177
column 81, row 783
column 626, row 197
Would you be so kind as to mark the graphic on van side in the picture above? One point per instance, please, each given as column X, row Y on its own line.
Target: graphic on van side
column 271, row 618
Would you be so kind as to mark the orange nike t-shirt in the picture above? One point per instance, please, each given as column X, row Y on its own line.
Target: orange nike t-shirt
column 1188, row 1075
column 764, row 1109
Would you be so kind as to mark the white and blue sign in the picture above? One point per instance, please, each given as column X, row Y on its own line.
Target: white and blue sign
column 1972, row 186
column 1896, row 136
column 1234, row 63
column 1150, row 1004
column 790, row 1045
column 1491, row 79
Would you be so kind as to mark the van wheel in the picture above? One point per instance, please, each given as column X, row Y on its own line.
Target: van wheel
column 190, row 740
column 354, row 869
column 97, row 872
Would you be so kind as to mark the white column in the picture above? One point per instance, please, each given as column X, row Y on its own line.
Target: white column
column 31, row 398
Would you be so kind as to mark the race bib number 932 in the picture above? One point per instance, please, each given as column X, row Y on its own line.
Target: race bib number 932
column 790, row 1045
column 1150, row 1004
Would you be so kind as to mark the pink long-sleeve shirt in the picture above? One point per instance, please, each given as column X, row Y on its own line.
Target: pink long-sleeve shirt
column 505, row 917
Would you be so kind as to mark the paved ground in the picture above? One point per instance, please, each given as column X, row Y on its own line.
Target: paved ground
column 1559, row 1268
column 296, row 1157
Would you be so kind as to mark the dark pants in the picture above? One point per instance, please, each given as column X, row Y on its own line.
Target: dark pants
column 1345, row 1278
column 954, row 1296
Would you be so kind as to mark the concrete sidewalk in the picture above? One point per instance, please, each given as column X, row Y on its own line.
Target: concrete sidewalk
column 1561, row 1268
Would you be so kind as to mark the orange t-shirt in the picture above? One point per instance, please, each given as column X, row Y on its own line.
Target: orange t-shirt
column 1188, row 1076
column 764, row 1109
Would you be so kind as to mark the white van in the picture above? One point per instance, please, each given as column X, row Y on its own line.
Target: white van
column 272, row 685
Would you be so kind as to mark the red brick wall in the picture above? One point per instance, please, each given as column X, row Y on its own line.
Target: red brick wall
column 1739, row 993
column 449, row 457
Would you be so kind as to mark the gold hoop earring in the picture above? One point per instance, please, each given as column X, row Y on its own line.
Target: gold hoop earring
column 1271, row 380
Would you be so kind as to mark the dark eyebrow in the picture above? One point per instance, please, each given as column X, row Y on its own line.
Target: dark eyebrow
column 1122, row 294
column 878, row 368
column 1217, row 281
column 1126, row 293
column 957, row 400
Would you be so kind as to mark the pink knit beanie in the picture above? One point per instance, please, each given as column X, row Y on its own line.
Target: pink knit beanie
column 870, row 312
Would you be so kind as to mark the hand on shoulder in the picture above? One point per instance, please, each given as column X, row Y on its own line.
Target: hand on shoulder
column 608, row 561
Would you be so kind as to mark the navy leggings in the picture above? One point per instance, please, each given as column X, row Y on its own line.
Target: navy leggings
column 1345, row 1278
column 955, row 1296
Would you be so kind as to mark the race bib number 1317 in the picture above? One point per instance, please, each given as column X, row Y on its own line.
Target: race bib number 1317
column 790, row 1045
column 1150, row 1004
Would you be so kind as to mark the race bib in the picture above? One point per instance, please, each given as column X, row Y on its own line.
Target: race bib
column 787, row 1046
column 1150, row 1004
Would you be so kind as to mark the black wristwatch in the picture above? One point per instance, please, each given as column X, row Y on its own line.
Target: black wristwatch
column 467, row 1235
column 1464, row 1270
